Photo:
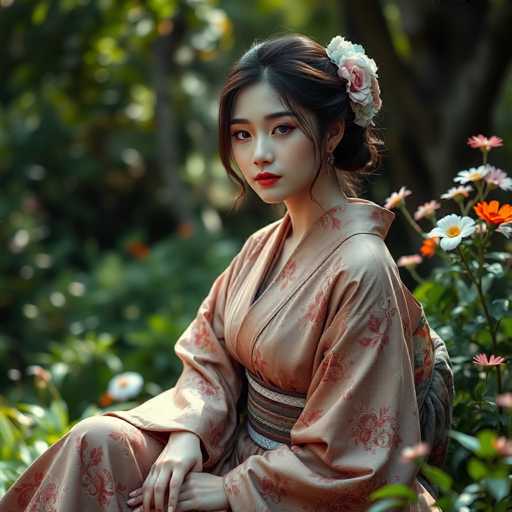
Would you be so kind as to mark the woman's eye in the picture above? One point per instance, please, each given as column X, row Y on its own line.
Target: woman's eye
column 235, row 134
column 286, row 127
column 282, row 129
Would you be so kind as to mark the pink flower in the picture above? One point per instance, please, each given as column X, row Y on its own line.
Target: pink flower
column 411, row 453
column 503, row 446
column 457, row 192
column 483, row 143
column 409, row 261
column 482, row 360
column 397, row 198
column 427, row 210
column 497, row 178
column 504, row 400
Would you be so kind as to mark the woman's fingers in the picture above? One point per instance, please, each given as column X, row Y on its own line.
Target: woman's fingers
column 148, row 493
column 174, row 488
column 135, row 497
column 161, row 486
column 135, row 501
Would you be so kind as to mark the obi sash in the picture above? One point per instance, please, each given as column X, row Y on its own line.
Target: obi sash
column 271, row 412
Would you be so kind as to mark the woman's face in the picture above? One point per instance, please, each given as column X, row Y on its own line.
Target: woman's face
column 264, row 137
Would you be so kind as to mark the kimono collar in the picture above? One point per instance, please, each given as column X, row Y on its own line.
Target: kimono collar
column 355, row 216
column 251, row 312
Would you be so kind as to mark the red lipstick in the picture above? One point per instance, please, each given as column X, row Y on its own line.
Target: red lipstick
column 266, row 179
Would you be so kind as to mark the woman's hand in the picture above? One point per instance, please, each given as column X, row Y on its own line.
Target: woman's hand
column 181, row 455
column 202, row 491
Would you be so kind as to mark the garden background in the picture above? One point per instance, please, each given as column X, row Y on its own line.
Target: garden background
column 116, row 214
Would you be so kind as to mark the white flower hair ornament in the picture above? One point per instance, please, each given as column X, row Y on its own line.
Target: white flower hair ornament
column 360, row 72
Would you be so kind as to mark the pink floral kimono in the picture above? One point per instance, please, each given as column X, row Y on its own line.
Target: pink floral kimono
column 303, row 393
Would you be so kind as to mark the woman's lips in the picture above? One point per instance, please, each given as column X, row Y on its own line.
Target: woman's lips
column 268, row 182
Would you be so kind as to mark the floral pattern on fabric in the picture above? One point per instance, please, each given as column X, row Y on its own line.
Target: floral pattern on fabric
column 373, row 429
column 42, row 495
column 335, row 368
column 378, row 326
column 96, row 481
column 330, row 219
column 286, row 276
column 46, row 499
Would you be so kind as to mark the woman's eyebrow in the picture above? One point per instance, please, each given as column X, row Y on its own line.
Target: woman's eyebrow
column 239, row 120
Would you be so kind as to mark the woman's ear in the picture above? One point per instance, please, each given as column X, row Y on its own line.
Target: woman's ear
column 335, row 134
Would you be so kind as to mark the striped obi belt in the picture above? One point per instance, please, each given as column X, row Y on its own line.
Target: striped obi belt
column 271, row 413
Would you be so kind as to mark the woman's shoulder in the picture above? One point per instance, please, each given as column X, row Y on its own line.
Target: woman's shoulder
column 365, row 254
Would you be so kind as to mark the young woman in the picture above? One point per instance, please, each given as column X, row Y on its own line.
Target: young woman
column 309, row 366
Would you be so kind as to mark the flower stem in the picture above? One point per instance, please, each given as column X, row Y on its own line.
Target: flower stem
column 478, row 285
column 411, row 221
column 416, row 276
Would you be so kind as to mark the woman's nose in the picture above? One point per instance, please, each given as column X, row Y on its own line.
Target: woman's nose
column 263, row 153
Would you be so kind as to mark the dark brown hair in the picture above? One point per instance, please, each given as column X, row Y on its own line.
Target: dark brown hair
column 299, row 69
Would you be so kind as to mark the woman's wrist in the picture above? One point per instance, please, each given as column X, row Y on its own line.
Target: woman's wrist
column 184, row 434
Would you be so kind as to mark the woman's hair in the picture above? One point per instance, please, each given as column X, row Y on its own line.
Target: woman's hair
column 299, row 69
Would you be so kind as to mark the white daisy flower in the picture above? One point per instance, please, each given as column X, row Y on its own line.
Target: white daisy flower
column 473, row 174
column 452, row 229
column 125, row 385
column 505, row 228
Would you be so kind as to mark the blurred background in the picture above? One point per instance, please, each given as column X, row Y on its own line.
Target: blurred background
column 115, row 212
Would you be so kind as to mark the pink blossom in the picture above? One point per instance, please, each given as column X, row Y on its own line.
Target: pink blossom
column 498, row 179
column 503, row 446
column 457, row 192
column 411, row 453
column 427, row 210
column 504, row 400
column 484, row 143
column 397, row 198
column 482, row 360
column 409, row 261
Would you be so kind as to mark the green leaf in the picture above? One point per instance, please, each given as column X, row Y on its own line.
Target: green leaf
column 499, row 308
column 394, row 491
column 498, row 256
column 477, row 469
column 437, row 477
column 387, row 504
column 495, row 268
column 498, row 487
column 60, row 410
column 486, row 449
column 39, row 13
column 469, row 442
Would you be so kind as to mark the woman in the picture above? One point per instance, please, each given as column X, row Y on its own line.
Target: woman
column 299, row 387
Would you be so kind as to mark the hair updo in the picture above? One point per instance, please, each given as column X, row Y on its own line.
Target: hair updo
column 299, row 69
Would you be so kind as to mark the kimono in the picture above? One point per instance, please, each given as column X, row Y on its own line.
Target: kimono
column 335, row 328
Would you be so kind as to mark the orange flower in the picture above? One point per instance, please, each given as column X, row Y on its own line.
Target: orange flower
column 492, row 213
column 138, row 250
column 428, row 248
column 105, row 400
column 482, row 360
column 483, row 143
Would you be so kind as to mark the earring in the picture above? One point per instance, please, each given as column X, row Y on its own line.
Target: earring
column 330, row 160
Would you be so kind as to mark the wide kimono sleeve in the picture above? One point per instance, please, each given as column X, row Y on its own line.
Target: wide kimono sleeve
column 360, row 407
column 204, row 399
